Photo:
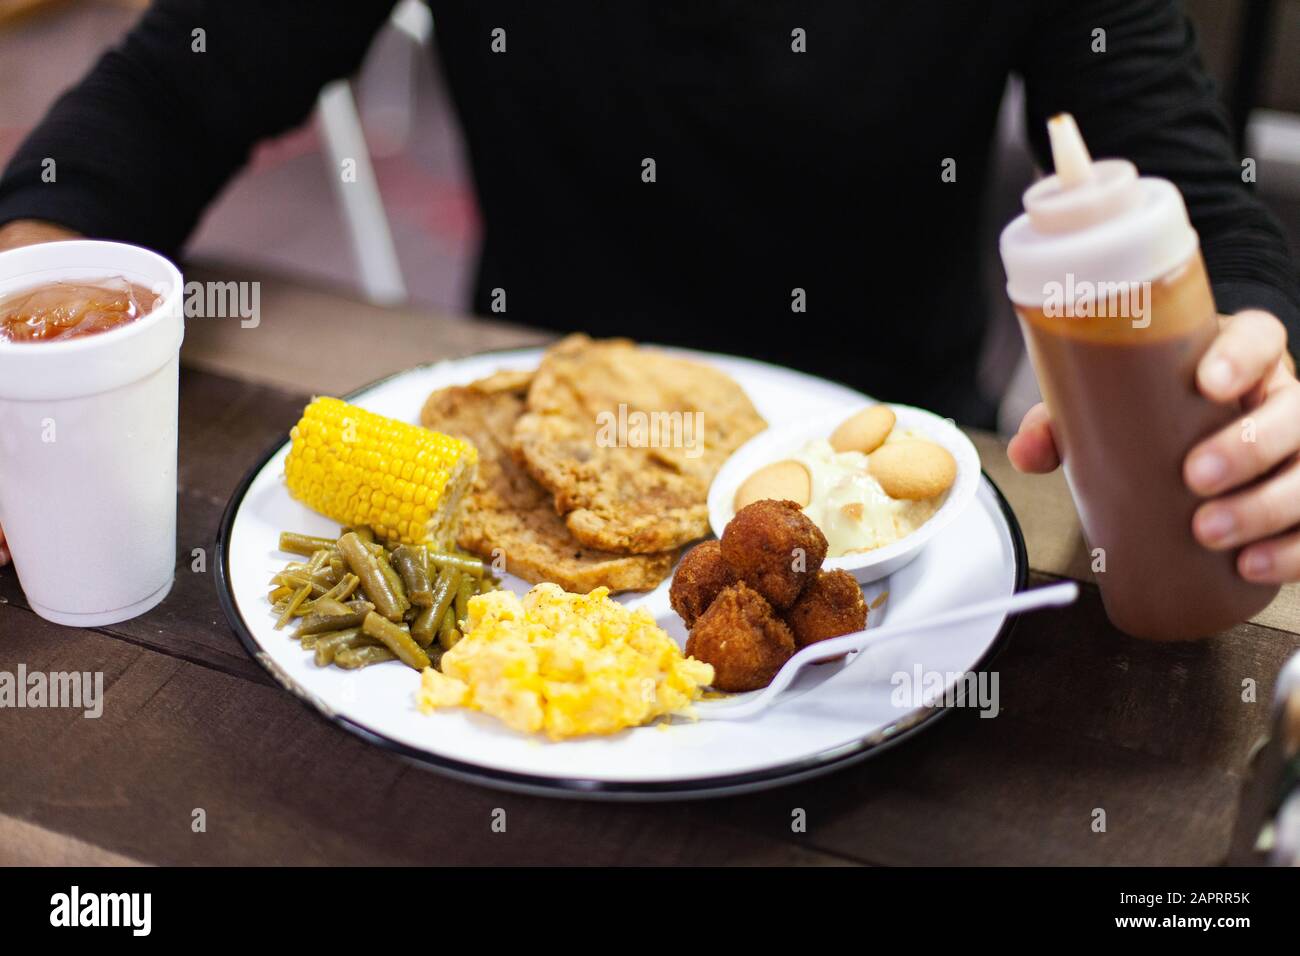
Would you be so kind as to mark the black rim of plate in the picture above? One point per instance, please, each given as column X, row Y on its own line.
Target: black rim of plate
column 814, row 765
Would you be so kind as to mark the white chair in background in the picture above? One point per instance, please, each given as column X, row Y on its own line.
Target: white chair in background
column 359, row 198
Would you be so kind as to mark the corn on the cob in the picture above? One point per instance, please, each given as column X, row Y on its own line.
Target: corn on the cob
column 359, row 468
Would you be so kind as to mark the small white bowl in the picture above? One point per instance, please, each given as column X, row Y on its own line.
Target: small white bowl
column 783, row 441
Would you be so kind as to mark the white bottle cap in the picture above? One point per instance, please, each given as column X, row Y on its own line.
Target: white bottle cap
column 1093, row 222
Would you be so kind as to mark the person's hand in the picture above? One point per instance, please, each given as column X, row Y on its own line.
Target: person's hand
column 28, row 232
column 1247, row 364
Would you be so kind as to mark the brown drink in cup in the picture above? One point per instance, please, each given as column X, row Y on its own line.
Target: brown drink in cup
column 1105, row 272
column 59, row 311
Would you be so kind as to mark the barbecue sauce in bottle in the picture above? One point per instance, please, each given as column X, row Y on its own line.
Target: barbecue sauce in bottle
column 1105, row 272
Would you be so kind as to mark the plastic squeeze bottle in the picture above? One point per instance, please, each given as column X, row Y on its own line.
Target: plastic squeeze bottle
column 1105, row 272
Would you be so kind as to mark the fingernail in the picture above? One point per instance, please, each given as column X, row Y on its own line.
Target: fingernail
column 1218, row 375
column 1256, row 564
column 1217, row 523
column 1207, row 469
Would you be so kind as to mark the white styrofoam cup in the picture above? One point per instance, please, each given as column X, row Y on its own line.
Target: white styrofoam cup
column 88, row 442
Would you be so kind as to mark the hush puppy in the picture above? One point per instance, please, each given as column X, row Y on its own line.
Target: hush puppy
column 744, row 640
column 830, row 605
column 700, row 577
column 774, row 548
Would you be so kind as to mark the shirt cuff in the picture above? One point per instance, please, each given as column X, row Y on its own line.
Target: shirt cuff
column 58, row 207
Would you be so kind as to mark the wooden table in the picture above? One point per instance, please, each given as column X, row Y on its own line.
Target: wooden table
column 1157, row 736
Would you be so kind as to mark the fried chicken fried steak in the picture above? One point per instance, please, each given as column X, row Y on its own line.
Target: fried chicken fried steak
column 507, row 510
column 627, row 495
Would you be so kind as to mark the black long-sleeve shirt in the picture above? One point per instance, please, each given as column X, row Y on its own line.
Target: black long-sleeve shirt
column 774, row 170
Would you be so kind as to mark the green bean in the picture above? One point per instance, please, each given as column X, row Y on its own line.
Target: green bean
column 366, row 534
column 326, row 605
column 305, row 544
column 281, row 596
column 468, row 588
column 330, row 644
column 467, row 565
column 348, row 586
column 424, row 628
column 310, row 641
column 422, row 552
column 447, row 633
column 341, row 591
column 296, row 579
column 317, row 623
column 444, row 591
column 321, row 581
column 414, row 579
column 394, row 582
column 374, row 584
column 292, row 606
column 327, row 576
column 352, row 658
column 396, row 639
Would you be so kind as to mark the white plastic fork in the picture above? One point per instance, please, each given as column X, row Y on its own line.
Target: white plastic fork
column 1054, row 595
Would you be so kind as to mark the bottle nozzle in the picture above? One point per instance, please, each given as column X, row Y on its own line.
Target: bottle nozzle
column 1083, row 192
column 1069, row 152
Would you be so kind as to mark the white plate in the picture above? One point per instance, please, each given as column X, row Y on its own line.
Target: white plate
column 785, row 440
column 835, row 714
